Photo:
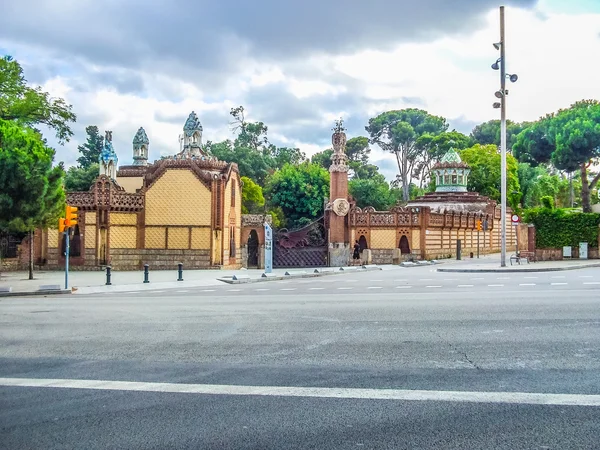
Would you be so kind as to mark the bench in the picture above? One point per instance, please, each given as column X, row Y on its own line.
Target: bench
column 518, row 259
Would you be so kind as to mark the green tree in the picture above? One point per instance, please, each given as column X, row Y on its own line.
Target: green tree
column 79, row 179
column 398, row 131
column 280, row 156
column 375, row 192
column 485, row 176
column 251, row 163
column 253, row 201
column 357, row 149
column 31, row 106
column 570, row 140
column 300, row 191
column 31, row 192
column 323, row 158
column 91, row 150
column 489, row 132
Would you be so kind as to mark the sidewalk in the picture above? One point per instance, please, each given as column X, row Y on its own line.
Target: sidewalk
column 491, row 264
column 84, row 282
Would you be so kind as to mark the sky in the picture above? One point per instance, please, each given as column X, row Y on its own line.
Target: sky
column 297, row 66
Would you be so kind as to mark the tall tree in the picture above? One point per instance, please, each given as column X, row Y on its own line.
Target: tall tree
column 398, row 131
column 31, row 106
column 375, row 192
column 485, row 176
column 79, row 179
column 253, row 201
column 280, row 156
column 323, row 158
column 252, row 164
column 31, row 192
column 300, row 191
column 489, row 132
column 357, row 149
column 570, row 139
column 92, row 148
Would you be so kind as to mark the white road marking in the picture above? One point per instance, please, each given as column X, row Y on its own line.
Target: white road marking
column 433, row 286
column 288, row 289
column 315, row 289
column 128, row 292
column 376, row 281
column 449, row 279
column 403, row 287
column 207, row 290
column 526, row 398
column 156, row 292
column 465, row 285
column 592, row 282
column 586, row 276
column 527, row 284
column 374, row 287
column 503, row 278
column 264, row 289
column 558, row 284
column 477, row 279
column 234, row 290
column 181, row 292
column 495, row 285
column 344, row 288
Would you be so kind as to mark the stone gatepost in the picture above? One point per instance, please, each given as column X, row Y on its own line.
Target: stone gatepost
column 338, row 206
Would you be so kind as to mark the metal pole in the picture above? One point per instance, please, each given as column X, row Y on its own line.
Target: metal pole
column 146, row 267
column 67, row 259
column 503, row 136
column 180, row 271
column 478, row 233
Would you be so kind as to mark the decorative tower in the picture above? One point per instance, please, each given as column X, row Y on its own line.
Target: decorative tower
column 140, row 148
column 451, row 173
column 108, row 158
column 192, row 138
column 338, row 207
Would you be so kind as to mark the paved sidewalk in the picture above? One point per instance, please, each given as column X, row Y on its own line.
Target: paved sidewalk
column 491, row 263
column 90, row 282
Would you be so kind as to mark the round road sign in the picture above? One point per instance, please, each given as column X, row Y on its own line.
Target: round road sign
column 515, row 218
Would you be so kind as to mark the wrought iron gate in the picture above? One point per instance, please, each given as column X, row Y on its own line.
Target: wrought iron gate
column 306, row 247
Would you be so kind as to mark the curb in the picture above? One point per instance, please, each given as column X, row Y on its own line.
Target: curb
column 237, row 279
column 543, row 269
column 30, row 293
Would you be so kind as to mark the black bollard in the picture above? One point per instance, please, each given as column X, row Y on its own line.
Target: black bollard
column 458, row 250
column 146, row 266
column 108, row 283
column 180, row 270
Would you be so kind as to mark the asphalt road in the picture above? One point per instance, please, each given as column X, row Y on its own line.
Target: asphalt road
column 313, row 363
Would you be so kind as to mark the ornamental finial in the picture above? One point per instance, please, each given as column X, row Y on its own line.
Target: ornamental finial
column 339, row 126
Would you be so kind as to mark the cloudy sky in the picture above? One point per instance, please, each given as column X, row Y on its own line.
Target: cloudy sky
column 297, row 66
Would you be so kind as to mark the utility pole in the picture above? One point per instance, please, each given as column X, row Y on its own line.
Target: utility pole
column 503, row 137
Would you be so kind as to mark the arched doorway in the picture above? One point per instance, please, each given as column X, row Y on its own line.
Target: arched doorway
column 362, row 242
column 404, row 246
column 253, row 249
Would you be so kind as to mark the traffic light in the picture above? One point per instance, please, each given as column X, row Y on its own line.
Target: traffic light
column 61, row 225
column 479, row 225
column 71, row 216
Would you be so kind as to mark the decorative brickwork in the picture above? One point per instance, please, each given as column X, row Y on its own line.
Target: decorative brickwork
column 201, row 238
column 122, row 237
column 155, row 237
column 90, row 236
column 179, row 238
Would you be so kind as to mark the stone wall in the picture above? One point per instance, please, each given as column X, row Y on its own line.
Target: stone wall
column 134, row 259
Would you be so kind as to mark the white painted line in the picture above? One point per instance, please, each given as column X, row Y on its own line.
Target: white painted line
column 344, row 288
column 558, row 284
column 376, row 281
column 449, row 279
column 234, row 290
column 495, row 285
column 592, row 282
column 127, row 292
column 433, row 286
column 156, row 292
column 264, row 289
column 477, row 279
column 586, row 276
column 503, row 278
column 374, row 287
column 465, row 285
column 527, row 284
column 181, row 292
column 207, row 290
column 526, row 398
column 315, row 289
column 403, row 287
column 288, row 289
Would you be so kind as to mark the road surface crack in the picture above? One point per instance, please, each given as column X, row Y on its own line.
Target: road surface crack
column 460, row 352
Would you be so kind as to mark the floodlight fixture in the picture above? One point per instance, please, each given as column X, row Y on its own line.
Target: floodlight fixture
column 513, row 78
column 497, row 45
column 499, row 94
column 496, row 66
column 497, row 105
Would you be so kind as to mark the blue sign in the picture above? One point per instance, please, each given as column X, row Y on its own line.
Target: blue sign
column 268, row 248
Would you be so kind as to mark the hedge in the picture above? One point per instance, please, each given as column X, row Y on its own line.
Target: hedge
column 556, row 228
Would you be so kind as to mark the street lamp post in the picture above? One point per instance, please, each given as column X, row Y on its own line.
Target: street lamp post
column 500, row 64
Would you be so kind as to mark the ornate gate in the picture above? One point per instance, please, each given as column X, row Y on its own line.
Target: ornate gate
column 306, row 247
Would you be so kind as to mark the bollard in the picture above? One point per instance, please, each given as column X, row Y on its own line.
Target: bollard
column 471, row 255
column 458, row 250
column 180, row 271
column 146, row 266
column 108, row 283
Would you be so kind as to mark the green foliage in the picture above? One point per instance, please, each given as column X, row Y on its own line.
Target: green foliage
column 278, row 217
column 253, row 201
column 485, row 176
column 433, row 147
column 357, row 149
column 556, row 228
column 375, row 192
column 31, row 106
column 91, row 150
column 398, row 131
column 489, row 133
column 570, row 139
column 299, row 191
column 79, row 179
column 323, row 158
column 547, row 202
column 280, row 156
column 31, row 192
column 252, row 163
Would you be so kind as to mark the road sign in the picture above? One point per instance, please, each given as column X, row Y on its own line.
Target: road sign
column 515, row 218
column 268, row 248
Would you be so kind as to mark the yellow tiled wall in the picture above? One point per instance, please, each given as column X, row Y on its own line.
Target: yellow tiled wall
column 201, row 238
column 90, row 236
column 155, row 237
column 90, row 217
column 384, row 238
column 123, row 219
column 178, row 198
column 179, row 238
column 52, row 238
column 123, row 237
column 416, row 239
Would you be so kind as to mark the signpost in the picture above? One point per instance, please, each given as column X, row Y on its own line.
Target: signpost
column 515, row 221
column 64, row 225
column 268, row 248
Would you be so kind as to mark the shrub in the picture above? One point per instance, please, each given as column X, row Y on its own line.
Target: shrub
column 556, row 228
